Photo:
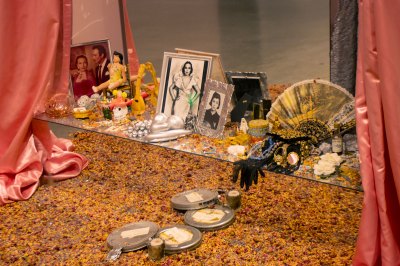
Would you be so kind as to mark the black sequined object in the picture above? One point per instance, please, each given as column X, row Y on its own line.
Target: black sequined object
column 262, row 154
column 259, row 155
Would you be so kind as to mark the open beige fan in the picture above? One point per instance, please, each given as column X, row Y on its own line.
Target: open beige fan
column 313, row 107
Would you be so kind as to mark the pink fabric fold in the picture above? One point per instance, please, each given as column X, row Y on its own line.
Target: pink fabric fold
column 58, row 160
column 378, row 125
column 35, row 62
column 133, row 59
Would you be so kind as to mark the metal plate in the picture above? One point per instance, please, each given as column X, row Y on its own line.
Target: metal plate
column 209, row 219
column 192, row 243
column 132, row 236
column 194, row 199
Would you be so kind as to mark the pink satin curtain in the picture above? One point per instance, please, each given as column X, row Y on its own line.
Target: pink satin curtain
column 34, row 47
column 133, row 59
column 378, row 129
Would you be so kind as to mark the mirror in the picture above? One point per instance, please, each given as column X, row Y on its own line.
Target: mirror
column 98, row 36
column 99, row 20
column 293, row 158
column 289, row 40
column 96, row 20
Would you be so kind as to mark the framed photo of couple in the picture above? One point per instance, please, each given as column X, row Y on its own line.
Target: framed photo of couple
column 84, row 66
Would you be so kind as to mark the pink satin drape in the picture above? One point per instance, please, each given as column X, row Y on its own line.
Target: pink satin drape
column 35, row 45
column 133, row 59
column 378, row 128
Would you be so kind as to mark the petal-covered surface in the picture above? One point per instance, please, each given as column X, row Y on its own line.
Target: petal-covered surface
column 283, row 220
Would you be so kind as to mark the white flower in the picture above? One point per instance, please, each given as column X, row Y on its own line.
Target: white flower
column 236, row 150
column 327, row 164
column 333, row 158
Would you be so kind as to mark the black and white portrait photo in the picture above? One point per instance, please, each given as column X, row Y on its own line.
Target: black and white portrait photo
column 214, row 107
column 182, row 84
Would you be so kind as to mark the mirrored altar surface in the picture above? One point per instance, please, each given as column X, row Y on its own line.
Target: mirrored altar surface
column 347, row 177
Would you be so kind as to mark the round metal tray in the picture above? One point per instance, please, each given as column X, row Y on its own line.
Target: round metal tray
column 192, row 243
column 194, row 199
column 132, row 236
column 223, row 217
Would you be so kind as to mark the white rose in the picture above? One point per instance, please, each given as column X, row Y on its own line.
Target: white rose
column 236, row 150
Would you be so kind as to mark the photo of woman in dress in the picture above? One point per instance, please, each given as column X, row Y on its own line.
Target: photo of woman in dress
column 211, row 116
column 184, row 90
column 82, row 78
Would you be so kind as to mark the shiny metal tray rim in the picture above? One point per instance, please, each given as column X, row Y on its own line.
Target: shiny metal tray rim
column 194, row 205
column 142, row 243
column 190, row 245
column 225, row 221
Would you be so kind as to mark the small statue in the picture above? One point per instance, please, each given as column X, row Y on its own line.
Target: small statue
column 117, row 74
column 119, row 106
column 83, row 101
column 243, row 126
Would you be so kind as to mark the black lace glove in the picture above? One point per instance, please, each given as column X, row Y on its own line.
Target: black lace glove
column 249, row 170
column 259, row 155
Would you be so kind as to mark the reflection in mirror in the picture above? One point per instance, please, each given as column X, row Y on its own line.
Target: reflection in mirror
column 97, row 31
column 289, row 40
column 95, row 20
column 253, row 84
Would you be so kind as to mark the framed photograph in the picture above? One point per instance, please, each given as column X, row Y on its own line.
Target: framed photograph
column 254, row 84
column 182, row 84
column 88, row 66
column 217, row 71
column 214, row 108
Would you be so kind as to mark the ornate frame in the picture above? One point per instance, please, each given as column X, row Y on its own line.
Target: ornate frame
column 226, row 91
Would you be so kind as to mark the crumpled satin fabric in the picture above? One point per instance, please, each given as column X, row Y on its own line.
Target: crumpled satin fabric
column 35, row 162
column 35, row 62
column 378, row 127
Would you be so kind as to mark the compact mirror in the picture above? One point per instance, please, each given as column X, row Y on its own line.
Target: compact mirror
column 293, row 158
